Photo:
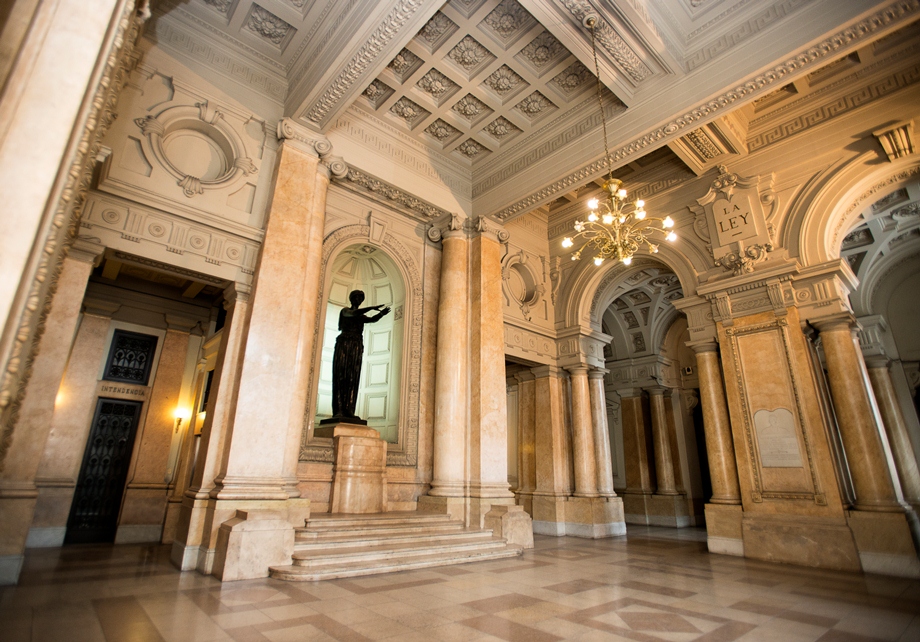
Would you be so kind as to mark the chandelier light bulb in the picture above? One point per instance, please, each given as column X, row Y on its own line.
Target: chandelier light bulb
column 622, row 219
column 593, row 204
column 671, row 236
column 639, row 214
column 640, row 204
column 627, row 260
column 567, row 242
column 598, row 260
column 608, row 219
column 592, row 217
column 667, row 222
column 654, row 249
column 621, row 193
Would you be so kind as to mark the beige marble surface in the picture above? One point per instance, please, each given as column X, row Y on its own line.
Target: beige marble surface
column 898, row 435
column 664, row 465
column 601, row 434
column 359, row 476
column 719, row 449
column 583, row 435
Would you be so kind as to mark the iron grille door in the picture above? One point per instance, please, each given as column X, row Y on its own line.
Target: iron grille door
column 97, row 498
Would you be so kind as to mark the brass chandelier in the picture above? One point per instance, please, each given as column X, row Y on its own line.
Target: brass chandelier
column 614, row 230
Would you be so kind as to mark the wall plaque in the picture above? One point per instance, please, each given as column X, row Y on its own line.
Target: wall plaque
column 776, row 439
column 732, row 217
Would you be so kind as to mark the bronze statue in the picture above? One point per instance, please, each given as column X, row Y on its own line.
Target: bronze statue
column 346, row 360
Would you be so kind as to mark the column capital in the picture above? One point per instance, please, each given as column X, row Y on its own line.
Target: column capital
column 703, row 346
column 454, row 226
column 629, row 393
column 656, row 391
column 879, row 361
column 234, row 292
column 331, row 165
column 523, row 375
column 86, row 251
column 836, row 323
column 305, row 140
column 597, row 373
column 577, row 369
column 541, row 372
column 100, row 307
column 488, row 228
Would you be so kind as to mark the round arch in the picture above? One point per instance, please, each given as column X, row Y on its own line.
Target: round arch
column 591, row 289
column 405, row 451
column 829, row 207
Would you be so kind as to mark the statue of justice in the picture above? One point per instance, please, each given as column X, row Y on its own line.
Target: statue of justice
column 347, row 357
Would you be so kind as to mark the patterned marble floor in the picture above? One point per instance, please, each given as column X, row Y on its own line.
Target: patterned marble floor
column 654, row 585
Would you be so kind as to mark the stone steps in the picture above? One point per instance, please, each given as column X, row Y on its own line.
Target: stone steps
column 333, row 546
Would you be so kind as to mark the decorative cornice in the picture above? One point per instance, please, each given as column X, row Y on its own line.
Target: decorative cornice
column 810, row 57
column 398, row 16
column 390, row 195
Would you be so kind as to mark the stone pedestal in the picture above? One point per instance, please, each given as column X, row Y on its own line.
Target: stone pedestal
column 884, row 543
column 251, row 542
column 723, row 529
column 590, row 517
column 512, row 524
column 824, row 542
column 359, row 476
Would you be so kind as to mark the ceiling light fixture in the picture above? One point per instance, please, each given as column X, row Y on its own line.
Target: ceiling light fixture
column 611, row 230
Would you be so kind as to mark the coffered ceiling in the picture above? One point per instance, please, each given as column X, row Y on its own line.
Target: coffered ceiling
column 501, row 92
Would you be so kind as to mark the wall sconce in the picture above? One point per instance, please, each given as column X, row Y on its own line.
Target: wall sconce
column 181, row 414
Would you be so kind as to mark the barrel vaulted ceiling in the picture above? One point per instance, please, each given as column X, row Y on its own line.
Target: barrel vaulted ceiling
column 501, row 93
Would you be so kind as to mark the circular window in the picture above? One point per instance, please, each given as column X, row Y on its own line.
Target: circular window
column 195, row 154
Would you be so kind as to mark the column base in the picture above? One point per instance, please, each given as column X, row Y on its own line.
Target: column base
column 139, row 533
column 46, row 536
column 201, row 520
column 657, row 510
column 10, row 566
column 587, row 517
column 470, row 510
column 884, row 543
column 512, row 524
column 808, row 541
column 251, row 542
column 723, row 529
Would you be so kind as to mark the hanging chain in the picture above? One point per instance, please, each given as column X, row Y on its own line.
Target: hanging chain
column 600, row 104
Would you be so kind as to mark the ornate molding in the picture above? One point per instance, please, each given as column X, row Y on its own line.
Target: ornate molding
column 811, row 56
column 742, row 261
column 71, row 191
column 488, row 227
column 611, row 41
column 897, row 140
column 392, row 23
column 390, row 195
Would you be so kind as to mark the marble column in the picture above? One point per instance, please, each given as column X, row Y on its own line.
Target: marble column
column 549, row 498
column 896, row 427
column 720, row 451
column 452, row 367
column 859, row 430
column 664, row 467
column 488, row 400
column 192, row 543
column 635, row 442
column 144, row 504
column 18, row 493
column 582, row 434
column 601, row 433
column 527, row 480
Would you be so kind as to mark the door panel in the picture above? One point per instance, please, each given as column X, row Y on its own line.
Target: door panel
column 97, row 498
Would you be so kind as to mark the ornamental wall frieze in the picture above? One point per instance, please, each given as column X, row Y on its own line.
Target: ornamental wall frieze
column 611, row 41
column 383, row 192
column 528, row 344
column 129, row 227
column 811, row 57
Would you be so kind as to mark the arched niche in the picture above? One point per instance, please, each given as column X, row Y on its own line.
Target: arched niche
column 402, row 281
column 366, row 268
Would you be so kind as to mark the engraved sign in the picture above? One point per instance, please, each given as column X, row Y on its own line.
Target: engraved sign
column 777, row 439
column 733, row 218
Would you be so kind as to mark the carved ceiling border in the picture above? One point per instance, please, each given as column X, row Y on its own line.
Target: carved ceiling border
column 811, row 56
column 390, row 26
column 389, row 195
